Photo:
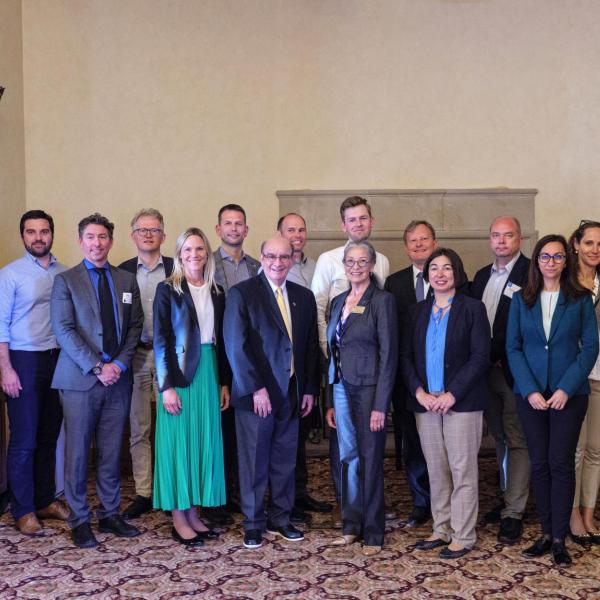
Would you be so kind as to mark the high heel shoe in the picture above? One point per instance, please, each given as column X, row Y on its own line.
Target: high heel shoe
column 195, row 541
column 209, row 534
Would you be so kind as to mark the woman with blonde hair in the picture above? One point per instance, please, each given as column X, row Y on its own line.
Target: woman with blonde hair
column 193, row 379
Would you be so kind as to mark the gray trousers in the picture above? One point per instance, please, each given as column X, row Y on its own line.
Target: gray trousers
column 511, row 446
column 97, row 414
column 450, row 445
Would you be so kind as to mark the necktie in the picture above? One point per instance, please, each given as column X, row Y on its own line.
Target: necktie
column 110, row 341
column 420, row 288
column 286, row 318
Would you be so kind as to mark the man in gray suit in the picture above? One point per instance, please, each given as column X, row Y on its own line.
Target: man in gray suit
column 97, row 318
column 232, row 265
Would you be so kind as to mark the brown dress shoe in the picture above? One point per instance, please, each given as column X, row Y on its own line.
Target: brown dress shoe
column 56, row 510
column 28, row 524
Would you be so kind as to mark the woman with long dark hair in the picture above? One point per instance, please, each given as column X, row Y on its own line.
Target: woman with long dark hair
column 552, row 344
column 190, row 364
column 584, row 251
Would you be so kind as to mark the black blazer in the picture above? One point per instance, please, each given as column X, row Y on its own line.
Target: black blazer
column 131, row 265
column 258, row 345
column 466, row 356
column 177, row 348
column 518, row 276
column 368, row 345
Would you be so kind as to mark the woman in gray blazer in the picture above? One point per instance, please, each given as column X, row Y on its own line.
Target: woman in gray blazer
column 363, row 346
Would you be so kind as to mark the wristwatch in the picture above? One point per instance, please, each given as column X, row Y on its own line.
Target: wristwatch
column 97, row 370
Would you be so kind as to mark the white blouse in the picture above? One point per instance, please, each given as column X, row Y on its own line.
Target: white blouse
column 204, row 311
column 548, row 300
column 595, row 372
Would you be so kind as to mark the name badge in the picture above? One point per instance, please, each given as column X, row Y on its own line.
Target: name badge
column 511, row 288
column 358, row 310
column 127, row 297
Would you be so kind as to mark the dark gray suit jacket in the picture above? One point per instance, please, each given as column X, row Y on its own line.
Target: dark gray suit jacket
column 368, row 345
column 76, row 322
column 253, row 268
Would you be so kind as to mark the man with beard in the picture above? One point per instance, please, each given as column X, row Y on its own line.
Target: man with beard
column 28, row 355
column 232, row 265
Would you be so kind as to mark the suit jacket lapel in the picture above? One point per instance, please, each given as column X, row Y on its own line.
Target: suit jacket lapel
column 334, row 317
column 537, row 319
column 364, row 301
column 559, row 311
column 187, row 298
column 88, row 290
column 453, row 315
column 269, row 298
column 118, row 296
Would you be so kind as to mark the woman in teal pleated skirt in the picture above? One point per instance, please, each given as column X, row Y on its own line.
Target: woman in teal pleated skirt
column 193, row 379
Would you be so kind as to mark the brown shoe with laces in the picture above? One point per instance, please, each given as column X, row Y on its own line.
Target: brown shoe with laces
column 28, row 524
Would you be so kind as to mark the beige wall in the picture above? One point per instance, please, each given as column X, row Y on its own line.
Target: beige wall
column 188, row 104
column 12, row 151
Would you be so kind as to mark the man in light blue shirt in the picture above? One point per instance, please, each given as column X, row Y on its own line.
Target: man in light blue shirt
column 28, row 355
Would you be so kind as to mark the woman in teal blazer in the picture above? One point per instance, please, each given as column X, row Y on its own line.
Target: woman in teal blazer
column 552, row 344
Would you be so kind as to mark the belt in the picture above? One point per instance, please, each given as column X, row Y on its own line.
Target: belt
column 145, row 345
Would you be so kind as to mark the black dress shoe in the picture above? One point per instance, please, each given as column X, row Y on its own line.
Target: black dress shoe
column 253, row 538
column 511, row 530
column 115, row 524
column 430, row 544
column 139, row 506
column 298, row 516
column 195, row 541
column 560, row 555
column 447, row 553
column 4, row 500
column 494, row 515
column 313, row 505
column 584, row 540
column 209, row 534
column 287, row 532
column 217, row 515
column 419, row 516
column 83, row 536
column 539, row 548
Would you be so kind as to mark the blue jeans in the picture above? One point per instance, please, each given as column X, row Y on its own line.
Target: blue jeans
column 361, row 458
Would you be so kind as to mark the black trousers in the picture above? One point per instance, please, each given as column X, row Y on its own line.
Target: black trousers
column 552, row 437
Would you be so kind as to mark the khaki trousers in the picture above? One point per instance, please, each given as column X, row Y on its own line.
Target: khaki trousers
column 587, row 455
column 451, row 445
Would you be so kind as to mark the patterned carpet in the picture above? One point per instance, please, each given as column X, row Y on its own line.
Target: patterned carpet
column 154, row 566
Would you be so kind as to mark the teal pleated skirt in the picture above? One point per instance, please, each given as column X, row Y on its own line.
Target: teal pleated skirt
column 188, row 467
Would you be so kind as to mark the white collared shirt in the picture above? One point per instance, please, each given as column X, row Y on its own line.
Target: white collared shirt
column 493, row 289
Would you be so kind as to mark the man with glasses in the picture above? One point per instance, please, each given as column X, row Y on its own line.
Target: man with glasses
column 495, row 284
column 149, row 268
column 329, row 280
column 270, row 333
column 408, row 288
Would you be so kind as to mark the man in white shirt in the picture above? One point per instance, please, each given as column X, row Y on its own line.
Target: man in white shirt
column 329, row 280
column 495, row 284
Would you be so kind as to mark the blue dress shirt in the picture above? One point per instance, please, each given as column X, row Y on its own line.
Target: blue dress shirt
column 95, row 278
column 435, row 345
column 25, row 291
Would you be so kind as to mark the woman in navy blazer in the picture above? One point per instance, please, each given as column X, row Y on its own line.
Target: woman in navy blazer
column 445, row 359
column 190, row 364
column 363, row 348
column 552, row 344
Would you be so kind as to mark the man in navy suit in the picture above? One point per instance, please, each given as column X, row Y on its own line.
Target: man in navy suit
column 150, row 267
column 409, row 287
column 495, row 284
column 271, row 339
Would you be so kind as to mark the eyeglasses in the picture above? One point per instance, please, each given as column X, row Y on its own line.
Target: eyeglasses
column 274, row 257
column 557, row 258
column 361, row 262
column 146, row 230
